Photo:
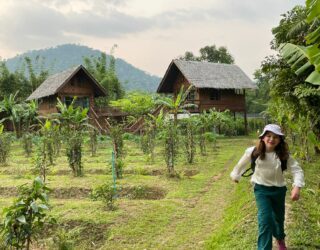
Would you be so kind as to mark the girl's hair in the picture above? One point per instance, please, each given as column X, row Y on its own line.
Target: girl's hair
column 282, row 149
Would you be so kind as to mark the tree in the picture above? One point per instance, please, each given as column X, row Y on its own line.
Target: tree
column 14, row 112
column 257, row 100
column 210, row 54
column 105, row 73
column 170, row 128
column 24, row 220
column 177, row 104
column 34, row 79
column 73, row 122
column 136, row 104
column 301, row 57
column 5, row 145
column 293, row 76
column 11, row 82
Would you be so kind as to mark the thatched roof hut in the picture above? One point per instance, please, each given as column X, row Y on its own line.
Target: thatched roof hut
column 205, row 75
column 54, row 83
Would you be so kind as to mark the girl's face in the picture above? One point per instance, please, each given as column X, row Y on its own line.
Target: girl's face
column 271, row 140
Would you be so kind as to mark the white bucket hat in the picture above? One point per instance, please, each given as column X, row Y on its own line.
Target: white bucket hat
column 274, row 128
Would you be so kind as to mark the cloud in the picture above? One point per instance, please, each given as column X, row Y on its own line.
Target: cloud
column 114, row 24
column 141, row 26
column 25, row 25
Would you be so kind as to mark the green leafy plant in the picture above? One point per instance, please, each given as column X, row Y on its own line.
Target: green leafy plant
column 188, row 128
column 27, row 143
column 44, row 156
column 93, row 135
column 106, row 193
column 24, row 220
column 63, row 240
column 116, row 134
column 303, row 58
column 74, row 122
column 5, row 145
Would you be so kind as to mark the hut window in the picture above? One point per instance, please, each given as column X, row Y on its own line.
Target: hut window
column 215, row 94
column 52, row 102
column 192, row 95
column 79, row 102
column 238, row 91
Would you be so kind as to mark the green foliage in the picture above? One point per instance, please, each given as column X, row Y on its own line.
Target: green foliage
column 93, row 134
column 24, row 220
column 106, row 193
column 136, row 103
column 45, row 147
column 10, row 82
column 27, row 143
column 34, row 79
column 188, row 129
column 306, row 59
column 13, row 111
column 169, row 128
column 257, row 100
column 116, row 134
column 73, row 54
column 293, row 99
column 177, row 104
column 305, row 213
column 106, row 75
column 5, row 145
column 210, row 54
column 73, row 122
column 63, row 240
column 171, row 142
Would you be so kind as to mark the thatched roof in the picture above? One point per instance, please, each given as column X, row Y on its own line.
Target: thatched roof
column 206, row 75
column 54, row 83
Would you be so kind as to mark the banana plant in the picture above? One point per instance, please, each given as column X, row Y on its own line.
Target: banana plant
column 304, row 58
column 177, row 105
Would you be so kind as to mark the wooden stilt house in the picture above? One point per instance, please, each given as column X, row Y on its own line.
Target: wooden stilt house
column 216, row 85
column 76, row 81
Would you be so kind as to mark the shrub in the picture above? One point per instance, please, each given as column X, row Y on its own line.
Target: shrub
column 27, row 216
column 5, row 145
column 106, row 193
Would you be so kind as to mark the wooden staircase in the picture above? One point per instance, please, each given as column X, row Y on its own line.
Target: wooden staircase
column 101, row 123
column 137, row 126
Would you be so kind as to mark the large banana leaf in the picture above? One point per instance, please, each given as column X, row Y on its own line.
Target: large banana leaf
column 301, row 58
column 313, row 7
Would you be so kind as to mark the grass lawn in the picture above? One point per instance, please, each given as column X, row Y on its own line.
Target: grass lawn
column 202, row 209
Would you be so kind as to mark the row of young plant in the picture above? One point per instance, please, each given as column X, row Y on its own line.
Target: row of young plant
column 28, row 213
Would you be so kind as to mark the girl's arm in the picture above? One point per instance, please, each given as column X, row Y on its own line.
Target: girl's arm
column 241, row 165
column 298, row 178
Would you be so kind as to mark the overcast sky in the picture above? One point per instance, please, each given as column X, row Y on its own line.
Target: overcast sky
column 149, row 33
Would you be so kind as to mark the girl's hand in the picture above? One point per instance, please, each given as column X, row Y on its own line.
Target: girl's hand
column 295, row 194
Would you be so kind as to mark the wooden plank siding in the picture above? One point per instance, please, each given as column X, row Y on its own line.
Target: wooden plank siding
column 229, row 99
column 79, row 86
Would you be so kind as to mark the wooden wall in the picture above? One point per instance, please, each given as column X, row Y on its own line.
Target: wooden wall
column 80, row 85
column 229, row 99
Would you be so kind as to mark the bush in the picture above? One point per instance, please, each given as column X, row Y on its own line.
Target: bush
column 106, row 193
column 24, row 220
column 5, row 146
column 63, row 240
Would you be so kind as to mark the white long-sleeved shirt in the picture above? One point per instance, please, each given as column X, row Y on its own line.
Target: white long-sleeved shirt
column 268, row 172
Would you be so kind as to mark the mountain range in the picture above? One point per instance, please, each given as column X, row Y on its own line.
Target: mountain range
column 62, row 57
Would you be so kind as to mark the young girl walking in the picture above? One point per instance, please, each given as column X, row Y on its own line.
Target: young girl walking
column 268, row 160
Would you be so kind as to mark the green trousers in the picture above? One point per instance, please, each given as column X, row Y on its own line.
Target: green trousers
column 271, row 209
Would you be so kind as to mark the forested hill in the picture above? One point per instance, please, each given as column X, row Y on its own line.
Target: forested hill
column 65, row 56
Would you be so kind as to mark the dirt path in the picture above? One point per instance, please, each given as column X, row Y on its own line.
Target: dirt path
column 200, row 215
